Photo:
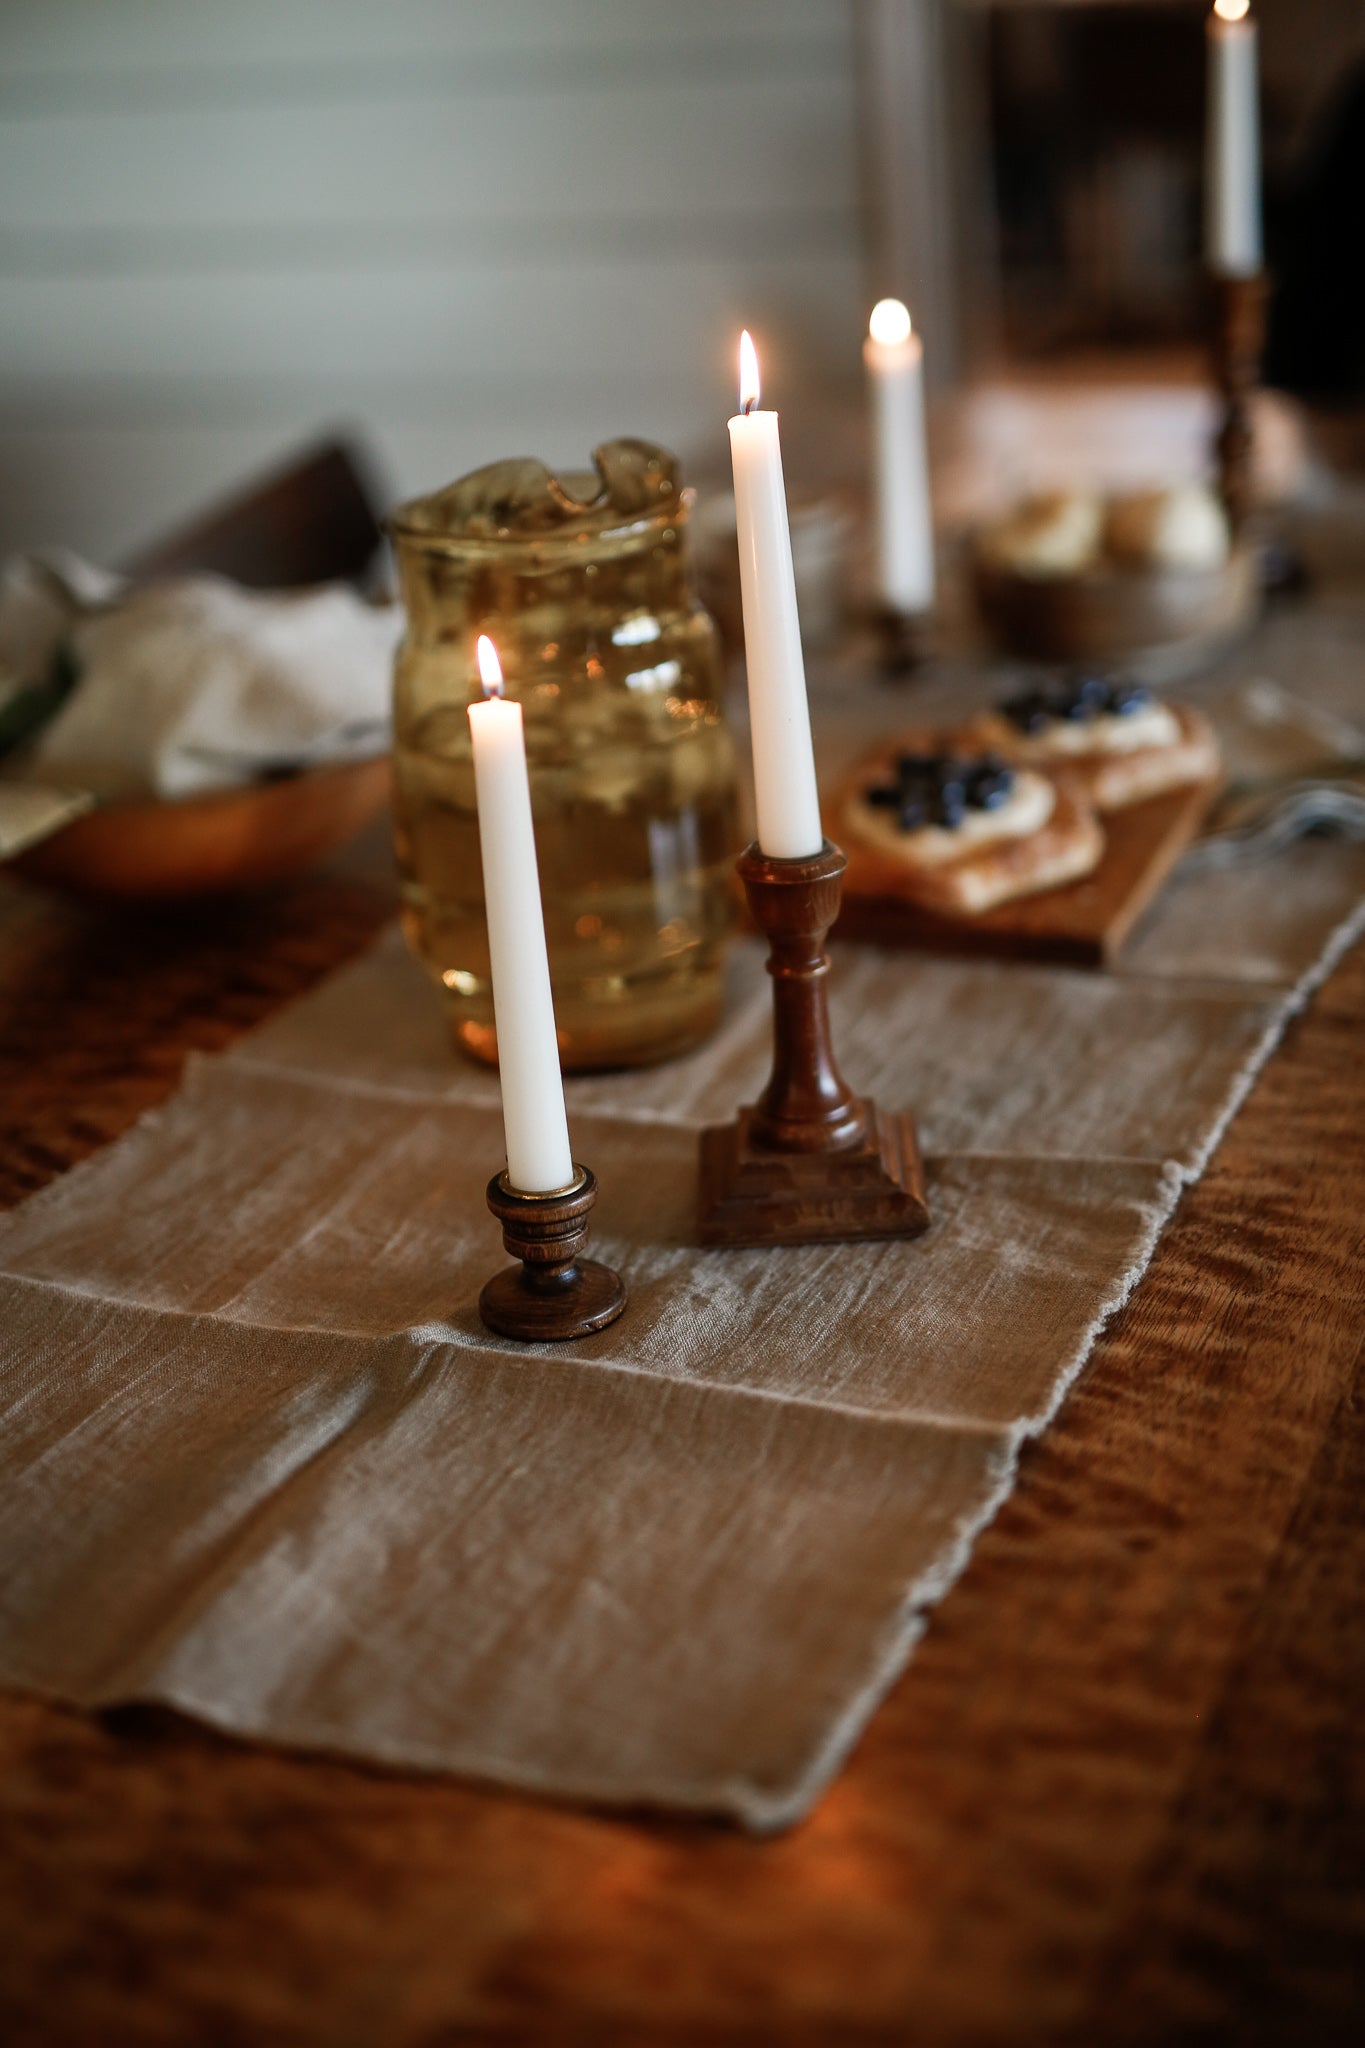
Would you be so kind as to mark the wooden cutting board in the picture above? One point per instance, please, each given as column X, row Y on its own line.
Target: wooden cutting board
column 1085, row 922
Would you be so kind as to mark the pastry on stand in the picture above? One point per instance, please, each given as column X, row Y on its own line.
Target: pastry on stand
column 1071, row 576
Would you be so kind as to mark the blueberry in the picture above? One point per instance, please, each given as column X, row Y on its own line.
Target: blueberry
column 1027, row 710
column 941, row 788
column 993, row 790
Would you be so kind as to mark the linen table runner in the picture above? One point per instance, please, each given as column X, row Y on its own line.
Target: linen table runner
column 261, row 1460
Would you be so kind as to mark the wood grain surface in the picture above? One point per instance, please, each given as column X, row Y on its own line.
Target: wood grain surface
column 1119, row 1796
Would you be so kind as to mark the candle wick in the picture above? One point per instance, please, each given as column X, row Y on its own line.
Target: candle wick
column 749, row 405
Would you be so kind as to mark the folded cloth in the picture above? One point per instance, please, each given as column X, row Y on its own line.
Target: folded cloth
column 192, row 684
column 1257, row 827
column 1270, row 734
column 1297, row 771
column 40, row 595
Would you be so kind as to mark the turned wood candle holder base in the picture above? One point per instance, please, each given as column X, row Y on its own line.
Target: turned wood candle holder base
column 553, row 1295
column 810, row 1162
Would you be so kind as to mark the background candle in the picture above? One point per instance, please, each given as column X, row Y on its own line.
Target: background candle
column 1232, row 177
column 538, row 1154
column 786, row 798
column 905, row 534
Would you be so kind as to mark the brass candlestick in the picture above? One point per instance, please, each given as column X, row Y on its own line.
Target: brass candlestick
column 553, row 1295
column 1239, row 339
column 810, row 1162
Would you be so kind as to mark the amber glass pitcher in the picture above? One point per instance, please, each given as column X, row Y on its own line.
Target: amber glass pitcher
column 581, row 582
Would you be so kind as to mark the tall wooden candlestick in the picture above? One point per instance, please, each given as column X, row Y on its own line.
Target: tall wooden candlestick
column 1239, row 338
column 810, row 1161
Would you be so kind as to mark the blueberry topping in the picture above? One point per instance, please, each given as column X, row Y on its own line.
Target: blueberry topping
column 940, row 789
column 1029, row 710
column 1074, row 702
column 989, row 783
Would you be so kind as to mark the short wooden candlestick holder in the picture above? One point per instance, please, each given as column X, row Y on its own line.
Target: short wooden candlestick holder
column 906, row 641
column 554, row 1294
column 1239, row 340
column 810, row 1162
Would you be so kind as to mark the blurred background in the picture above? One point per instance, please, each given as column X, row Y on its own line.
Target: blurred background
column 461, row 231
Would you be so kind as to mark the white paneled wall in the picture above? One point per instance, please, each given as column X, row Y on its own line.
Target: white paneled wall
column 470, row 228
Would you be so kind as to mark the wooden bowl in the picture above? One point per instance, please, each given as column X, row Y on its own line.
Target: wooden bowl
column 1110, row 613
column 211, row 845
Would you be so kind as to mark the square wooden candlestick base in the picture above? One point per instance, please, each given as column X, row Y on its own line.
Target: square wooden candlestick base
column 754, row 1196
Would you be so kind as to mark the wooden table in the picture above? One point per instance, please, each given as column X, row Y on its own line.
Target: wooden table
column 1118, row 1797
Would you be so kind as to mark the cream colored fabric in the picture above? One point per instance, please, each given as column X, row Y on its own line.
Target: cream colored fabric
column 260, row 1459
column 186, row 684
column 589, row 1582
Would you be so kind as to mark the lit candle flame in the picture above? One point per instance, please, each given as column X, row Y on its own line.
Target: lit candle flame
column 890, row 323
column 748, row 373
column 490, row 668
column 1231, row 10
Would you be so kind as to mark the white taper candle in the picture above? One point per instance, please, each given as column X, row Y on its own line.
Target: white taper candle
column 537, row 1132
column 786, row 797
column 905, row 534
column 1232, row 171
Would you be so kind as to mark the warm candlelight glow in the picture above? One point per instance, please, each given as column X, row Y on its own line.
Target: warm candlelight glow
column 900, row 460
column 787, row 800
column 748, row 373
column 490, row 668
column 1232, row 151
column 890, row 323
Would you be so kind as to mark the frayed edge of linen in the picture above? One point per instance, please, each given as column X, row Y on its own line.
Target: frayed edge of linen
column 1294, row 1003
column 766, row 1813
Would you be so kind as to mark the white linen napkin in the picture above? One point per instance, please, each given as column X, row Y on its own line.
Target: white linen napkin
column 192, row 684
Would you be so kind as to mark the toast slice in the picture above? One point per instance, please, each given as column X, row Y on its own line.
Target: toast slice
column 1045, row 836
column 1109, row 777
